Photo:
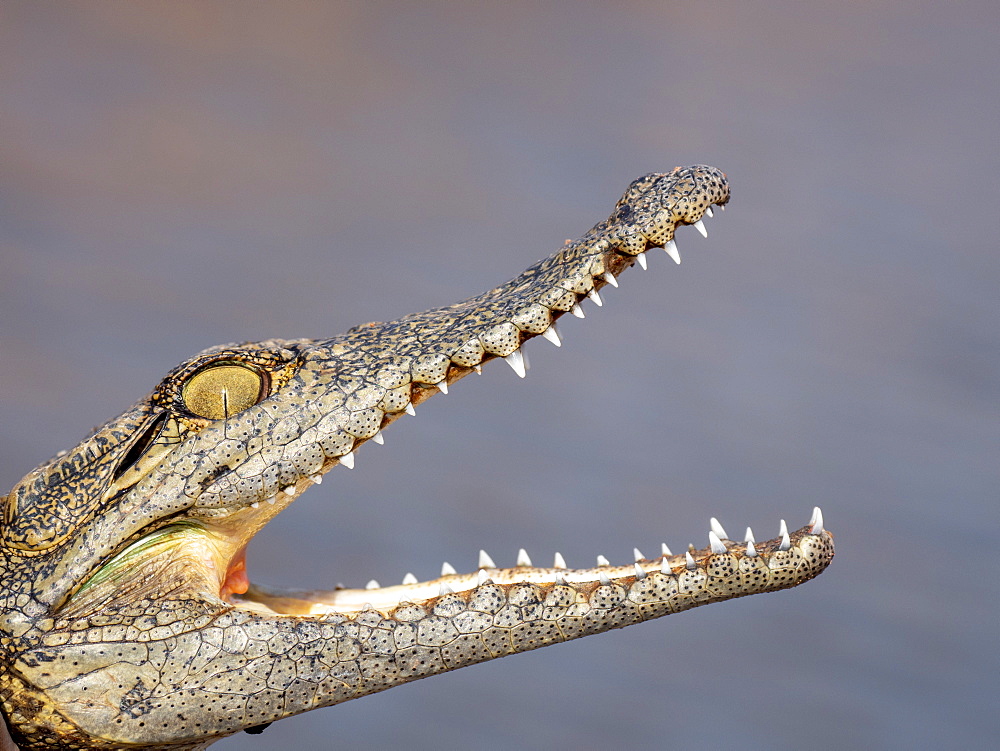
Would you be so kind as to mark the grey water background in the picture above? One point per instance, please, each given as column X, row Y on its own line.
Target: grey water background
column 179, row 175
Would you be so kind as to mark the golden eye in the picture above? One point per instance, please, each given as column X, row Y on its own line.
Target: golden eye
column 222, row 390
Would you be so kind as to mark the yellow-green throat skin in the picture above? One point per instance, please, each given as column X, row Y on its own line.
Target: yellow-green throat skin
column 126, row 618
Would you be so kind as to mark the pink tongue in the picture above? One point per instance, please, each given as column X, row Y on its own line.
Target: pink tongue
column 236, row 581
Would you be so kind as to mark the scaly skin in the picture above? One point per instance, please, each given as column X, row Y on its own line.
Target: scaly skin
column 126, row 620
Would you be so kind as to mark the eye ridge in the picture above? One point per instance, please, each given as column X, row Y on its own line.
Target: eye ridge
column 223, row 388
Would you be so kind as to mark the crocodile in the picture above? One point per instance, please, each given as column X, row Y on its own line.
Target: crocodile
column 127, row 619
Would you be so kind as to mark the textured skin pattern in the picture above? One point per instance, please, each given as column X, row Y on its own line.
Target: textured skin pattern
column 125, row 620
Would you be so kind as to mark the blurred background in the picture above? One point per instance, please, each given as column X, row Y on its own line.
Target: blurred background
column 180, row 175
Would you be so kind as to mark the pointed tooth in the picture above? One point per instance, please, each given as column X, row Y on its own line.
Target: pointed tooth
column 665, row 567
column 577, row 311
column 602, row 561
column 348, row 460
column 718, row 528
column 290, row 490
column 708, row 212
column 255, row 504
column 524, row 358
column 552, row 334
column 444, row 589
column 559, row 561
column 603, row 578
column 671, row 248
column 478, row 369
column 516, row 361
column 482, row 577
column 409, row 579
column 559, row 578
column 317, row 479
column 447, row 569
column 749, row 536
column 485, row 561
column 378, row 438
column 610, row 279
column 716, row 544
column 664, row 550
column 785, row 542
column 751, row 549
column 640, row 574
column 816, row 521
column 641, row 258
column 689, row 561
column 700, row 226
column 372, row 585
column 410, row 410
column 638, row 555
column 271, row 501
column 442, row 386
column 522, row 558
column 596, row 297
column 722, row 206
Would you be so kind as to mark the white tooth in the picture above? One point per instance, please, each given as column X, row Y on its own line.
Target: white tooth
column 708, row 212
column 485, row 561
column 610, row 279
column 447, row 569
column 602, row 561
column 318, row 479
column 641, row 258
column 664, row 550
column 596, row 297
column 577, row 310
column 751, row 550
column 639, row 573
column 409, row 579
column 689, row 561
column 378, row 438
column 717, row 528
column 559, row 561
column 482, row 577
column 552, row 334
column 522, row 558
column 559, row 579
column 671, row 248
column 290, row 490
column 255, row 504
column 785, row 542
column 271, row 500
column 348, row 460
column 816, row 521
column 665, row 567
column 524, row 357
column 716, row 544
column 638, row 555
column 749, row 537
column 410, row 410
column 372, row 585
column 700, row 226
column 478, row 369
column 444, row 589
column 516, row 361
column 722, row 206
column 442, row 386
column 603, row 579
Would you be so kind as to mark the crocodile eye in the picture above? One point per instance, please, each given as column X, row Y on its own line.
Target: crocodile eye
column 219, row 391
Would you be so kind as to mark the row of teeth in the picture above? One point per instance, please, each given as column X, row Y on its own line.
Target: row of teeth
column 517, row 359
column 716, row 536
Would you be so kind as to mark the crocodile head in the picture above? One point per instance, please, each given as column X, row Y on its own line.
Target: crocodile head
column 126, row 614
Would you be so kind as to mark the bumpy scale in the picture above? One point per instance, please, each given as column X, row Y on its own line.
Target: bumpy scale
column 126, row 616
